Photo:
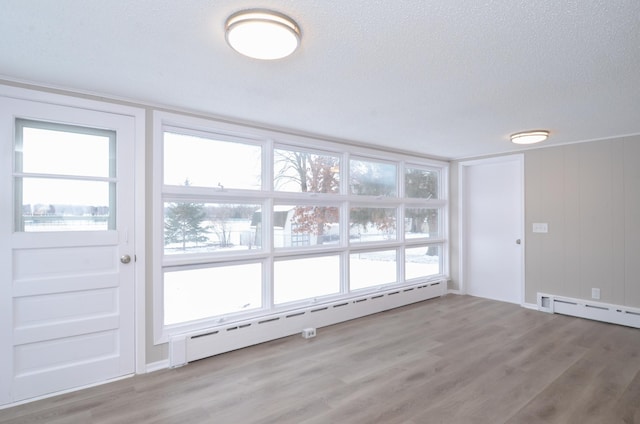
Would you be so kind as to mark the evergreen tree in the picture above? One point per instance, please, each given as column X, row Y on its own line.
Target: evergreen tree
column 183, row 223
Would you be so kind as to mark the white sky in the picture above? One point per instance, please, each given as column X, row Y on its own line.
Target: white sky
column 199, row 160
column 57, row 152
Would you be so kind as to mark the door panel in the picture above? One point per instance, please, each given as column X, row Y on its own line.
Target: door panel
column 70, row 300
column 493, row 223
column 68, row 261
column 66, row 306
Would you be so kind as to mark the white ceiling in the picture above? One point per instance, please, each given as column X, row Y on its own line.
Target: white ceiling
column 447, row 78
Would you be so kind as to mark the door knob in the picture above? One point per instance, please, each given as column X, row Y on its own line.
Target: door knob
column 518, row 241
column 125, row 259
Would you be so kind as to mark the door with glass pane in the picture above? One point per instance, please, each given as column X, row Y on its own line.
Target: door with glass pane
column 67, row 219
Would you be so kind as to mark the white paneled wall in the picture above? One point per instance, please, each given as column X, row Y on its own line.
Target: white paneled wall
column 589, row 195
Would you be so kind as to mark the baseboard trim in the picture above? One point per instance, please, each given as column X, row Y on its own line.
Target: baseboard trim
column 184, row 348
column 597, row 311
column 62, row 392
column 532, row 306
column 157, row 366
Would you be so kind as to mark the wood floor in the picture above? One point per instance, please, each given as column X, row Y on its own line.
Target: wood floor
column 457, row 359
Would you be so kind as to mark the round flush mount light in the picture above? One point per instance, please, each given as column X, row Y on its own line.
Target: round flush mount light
column 529, row 137
column 262, row 34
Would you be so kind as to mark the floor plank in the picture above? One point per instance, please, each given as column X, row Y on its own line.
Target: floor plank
column 456, row 359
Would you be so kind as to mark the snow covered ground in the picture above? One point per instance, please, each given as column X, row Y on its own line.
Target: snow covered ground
column 202, row 293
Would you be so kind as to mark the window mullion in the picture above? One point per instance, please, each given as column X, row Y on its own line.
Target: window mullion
column 267, row 284
column 400, row 265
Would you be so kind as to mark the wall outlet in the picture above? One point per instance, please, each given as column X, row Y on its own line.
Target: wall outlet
column 595, row 293
column 308, row 333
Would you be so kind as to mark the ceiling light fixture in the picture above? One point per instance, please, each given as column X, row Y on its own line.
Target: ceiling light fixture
column 529, row 137
column 262, row 34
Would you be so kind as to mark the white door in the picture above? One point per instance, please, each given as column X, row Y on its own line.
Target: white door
column 492, row 228
column 66, row 231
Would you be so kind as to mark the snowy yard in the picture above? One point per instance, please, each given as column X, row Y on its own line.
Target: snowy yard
column 202, row 293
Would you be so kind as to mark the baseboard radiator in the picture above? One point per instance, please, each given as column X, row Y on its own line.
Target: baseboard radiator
column 188, row 347
column 605, row 312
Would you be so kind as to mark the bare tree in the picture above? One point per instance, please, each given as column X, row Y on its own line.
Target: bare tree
column 312, row 173
column 423, row 184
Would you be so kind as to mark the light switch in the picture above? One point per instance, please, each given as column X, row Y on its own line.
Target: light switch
column 540, row 227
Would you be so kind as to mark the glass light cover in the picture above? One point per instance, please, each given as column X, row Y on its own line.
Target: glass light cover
column 529, row 137
column 262, row 34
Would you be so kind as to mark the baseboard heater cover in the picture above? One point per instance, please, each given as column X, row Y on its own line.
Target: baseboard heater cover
column 605, row 312
column 184, row 348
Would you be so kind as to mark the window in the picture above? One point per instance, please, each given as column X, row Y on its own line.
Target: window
column 193, row 227
column 371, row 269
column 248, row 225
column 306, row 172
column 204, row 160
column 369, row 178
column 64, row 177
column 305, row 225
column 372, row 224
column 422, row 222
column 306, row 278
column 192, row 294
column 422, row 261
column 421, row 183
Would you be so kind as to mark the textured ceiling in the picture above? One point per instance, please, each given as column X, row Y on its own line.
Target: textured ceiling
column 447, row 78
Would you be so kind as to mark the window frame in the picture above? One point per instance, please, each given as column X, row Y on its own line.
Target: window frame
column 19, row 175
column 269, row 197
column 213, row 135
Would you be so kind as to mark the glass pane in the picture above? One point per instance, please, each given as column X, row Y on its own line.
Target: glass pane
column 370, row 269
column 191, row 227
column 296, row 225
column 306, row 172
column 372, row 224
column 203, row 162
column 307, row 278
column 421, row 222
column 372, row 178
column 208, row 292
column 420, row 183
column 65, row 205
column 46, row 151
column 422, row 261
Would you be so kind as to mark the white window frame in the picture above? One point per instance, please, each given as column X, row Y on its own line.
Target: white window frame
column 268, row 197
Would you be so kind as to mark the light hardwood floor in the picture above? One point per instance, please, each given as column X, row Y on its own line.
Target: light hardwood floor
column 457, row 359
